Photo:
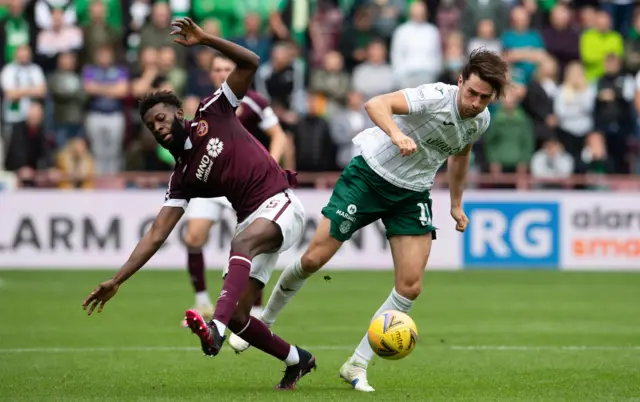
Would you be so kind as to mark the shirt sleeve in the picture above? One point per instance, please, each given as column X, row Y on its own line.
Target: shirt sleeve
column 175, row 196
column 8, row 74
column 217, row 100
column 426, row 98
column 268, row 119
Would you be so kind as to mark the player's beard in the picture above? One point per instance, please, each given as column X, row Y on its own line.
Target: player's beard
column 176, row 146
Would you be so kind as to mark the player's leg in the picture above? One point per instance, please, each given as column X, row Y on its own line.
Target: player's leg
column 321, row 249
column 410, row 232
column 261, row 268
column 196, row 237
column 299, row 362
column 410, row 255
column 273, row 228
column 352, row 206
column 260, row 237
column 201, row 215
column 256, row 310
column 260, row 233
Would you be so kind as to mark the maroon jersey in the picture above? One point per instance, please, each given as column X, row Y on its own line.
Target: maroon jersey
column 256, row 115
column 221, row 159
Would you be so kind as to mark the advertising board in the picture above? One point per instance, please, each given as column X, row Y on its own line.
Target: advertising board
column 98, row 229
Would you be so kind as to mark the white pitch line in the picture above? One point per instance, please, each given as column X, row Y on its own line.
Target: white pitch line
column 572, row 348
column 541, row 348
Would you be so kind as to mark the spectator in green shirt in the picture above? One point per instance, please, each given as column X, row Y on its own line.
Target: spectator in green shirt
column 597, row 43
column 230, row 14
column 114, row 16
column 509, row 141
column 14, row 31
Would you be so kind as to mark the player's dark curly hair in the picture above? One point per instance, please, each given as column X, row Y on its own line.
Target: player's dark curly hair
column 489, row 67
column 153, row 98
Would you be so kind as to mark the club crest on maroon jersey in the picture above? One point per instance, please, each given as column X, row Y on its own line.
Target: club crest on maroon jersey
column 202, row 129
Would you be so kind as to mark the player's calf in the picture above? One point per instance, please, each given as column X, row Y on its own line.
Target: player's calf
column 242, row 313
column 195, row 238
column 261, row 236
column 323, row 246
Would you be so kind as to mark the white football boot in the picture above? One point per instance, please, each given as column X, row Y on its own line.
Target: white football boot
column 238, row 344
column 356, row 375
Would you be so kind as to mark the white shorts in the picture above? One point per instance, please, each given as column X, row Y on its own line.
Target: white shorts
column 207, row 208
column 286, row 210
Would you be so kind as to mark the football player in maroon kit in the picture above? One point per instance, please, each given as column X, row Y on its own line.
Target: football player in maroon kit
column 217, row 157
column 259, row 119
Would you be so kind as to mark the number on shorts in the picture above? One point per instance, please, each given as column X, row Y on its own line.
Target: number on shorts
column 273, row 204
column 425, row 216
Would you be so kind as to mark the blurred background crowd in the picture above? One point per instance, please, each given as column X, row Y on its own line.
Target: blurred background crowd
column 72, row 71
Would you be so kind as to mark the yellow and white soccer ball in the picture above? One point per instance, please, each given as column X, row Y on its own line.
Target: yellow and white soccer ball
column 393, row 335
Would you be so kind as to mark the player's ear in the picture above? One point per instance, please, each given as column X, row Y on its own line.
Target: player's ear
column 460, row 80
column 180, row 113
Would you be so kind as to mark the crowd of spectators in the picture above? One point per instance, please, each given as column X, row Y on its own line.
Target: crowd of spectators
column 71, row 72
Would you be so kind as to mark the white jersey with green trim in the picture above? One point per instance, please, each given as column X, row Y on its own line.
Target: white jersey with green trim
column 434, row 124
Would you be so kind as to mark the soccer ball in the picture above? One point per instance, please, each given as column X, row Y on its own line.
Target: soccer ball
column 392, row 335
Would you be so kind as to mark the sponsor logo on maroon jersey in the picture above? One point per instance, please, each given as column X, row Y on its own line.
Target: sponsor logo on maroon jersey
column 202, row 129
column 204, row 168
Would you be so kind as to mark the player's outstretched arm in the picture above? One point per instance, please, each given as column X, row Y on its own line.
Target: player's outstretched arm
column 161, row 228
column 381, row 110
column 457, row 169
column 164, row 223
column 246, row 61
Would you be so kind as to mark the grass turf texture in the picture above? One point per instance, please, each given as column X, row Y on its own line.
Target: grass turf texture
column 484, row 336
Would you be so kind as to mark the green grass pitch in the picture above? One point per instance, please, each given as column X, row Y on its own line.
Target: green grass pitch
column 484, row 336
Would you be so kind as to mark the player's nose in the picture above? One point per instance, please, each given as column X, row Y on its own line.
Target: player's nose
column 158, row 128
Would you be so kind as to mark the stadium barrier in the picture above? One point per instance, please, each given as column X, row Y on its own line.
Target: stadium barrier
column 569, row 230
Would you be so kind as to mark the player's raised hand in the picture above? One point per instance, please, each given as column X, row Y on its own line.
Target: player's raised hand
column 105, row 291
column 407, row 145
column 460, row 217
column 187, row 32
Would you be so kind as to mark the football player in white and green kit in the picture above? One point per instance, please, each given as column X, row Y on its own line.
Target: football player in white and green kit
column 416, row 131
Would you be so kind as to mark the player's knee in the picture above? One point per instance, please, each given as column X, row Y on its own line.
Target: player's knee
column 194, row 240
column 311, row 262
column 242, row 245
column 409, row 288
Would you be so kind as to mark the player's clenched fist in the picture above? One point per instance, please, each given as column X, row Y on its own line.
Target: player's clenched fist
column 407, row 145
column 460, row 217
